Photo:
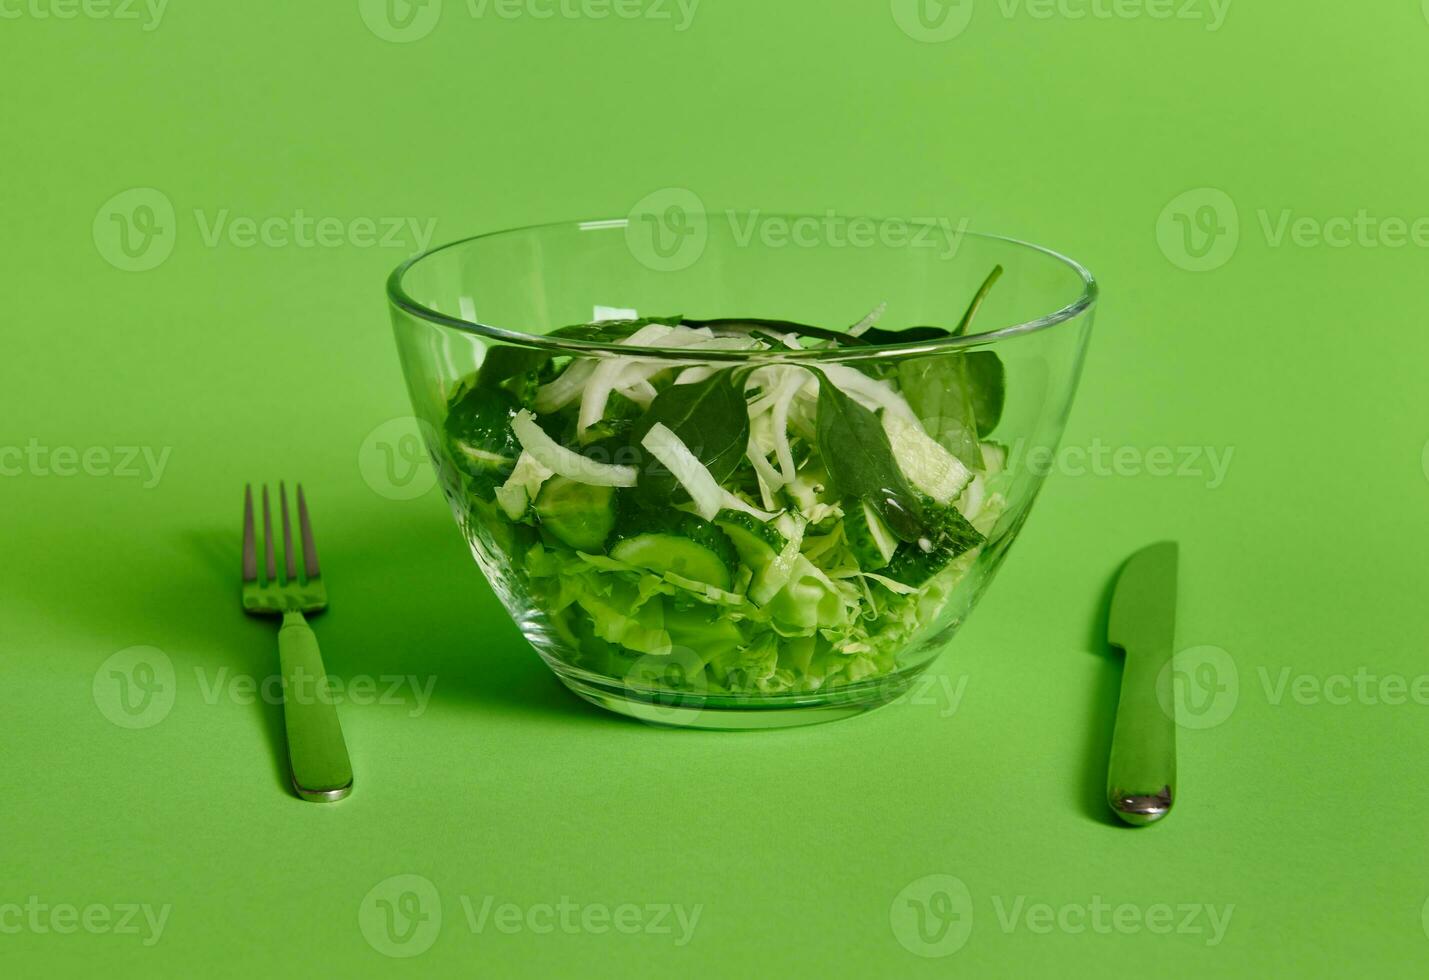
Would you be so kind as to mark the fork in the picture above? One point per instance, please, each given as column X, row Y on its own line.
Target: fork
column 317, row 753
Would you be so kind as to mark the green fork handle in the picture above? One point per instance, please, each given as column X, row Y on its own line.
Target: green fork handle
column 317, row 752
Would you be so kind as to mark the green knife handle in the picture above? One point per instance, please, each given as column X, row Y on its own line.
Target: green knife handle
column 1141, row 779
column 317, row 752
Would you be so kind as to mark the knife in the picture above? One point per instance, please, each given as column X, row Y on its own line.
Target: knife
column 1141, row 778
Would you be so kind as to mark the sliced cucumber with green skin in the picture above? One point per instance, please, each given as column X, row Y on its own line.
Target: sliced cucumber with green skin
column 868, row 537
column 662, row 553
column 578, row 514
column 752, row 531
column 914, row 567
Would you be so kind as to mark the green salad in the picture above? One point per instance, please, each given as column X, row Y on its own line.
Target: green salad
column 771, row 525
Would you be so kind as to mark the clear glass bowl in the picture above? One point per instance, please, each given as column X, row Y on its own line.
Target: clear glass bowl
column 761, row 644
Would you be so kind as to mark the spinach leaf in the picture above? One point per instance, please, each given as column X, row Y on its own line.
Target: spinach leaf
column 939, row 391
column 880, row 337
column 959, row 396
column 710, row 417
column 984, row 371
column 987, row 389
column 978, row 297
column 516, row 370
column 860, row 461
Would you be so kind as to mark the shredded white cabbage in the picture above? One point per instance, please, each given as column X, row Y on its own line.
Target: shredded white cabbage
column 704, row 490
column 794, row 379
column 521, row 487
column 559, row 459
column 620, row 372
column 861, row 327
column 566, row 387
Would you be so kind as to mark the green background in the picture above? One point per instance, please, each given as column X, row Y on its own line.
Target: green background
column 276, row 361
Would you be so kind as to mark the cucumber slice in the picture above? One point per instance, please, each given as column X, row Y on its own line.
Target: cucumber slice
column 868, row 537
column 579, row 514
column 926, row 464
column 662, row 553
column 914, row 567
column 757, row 537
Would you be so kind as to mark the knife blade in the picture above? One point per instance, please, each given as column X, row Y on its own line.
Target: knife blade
column 1141, row 775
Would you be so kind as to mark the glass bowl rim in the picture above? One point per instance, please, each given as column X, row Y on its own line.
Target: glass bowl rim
column 397, row 295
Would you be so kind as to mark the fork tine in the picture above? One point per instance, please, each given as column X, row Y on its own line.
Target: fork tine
column 305, row 528
column 290, row 570
column 250, row 552
column 269, row 564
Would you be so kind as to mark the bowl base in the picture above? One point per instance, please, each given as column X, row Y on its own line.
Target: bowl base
column 735, row 713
